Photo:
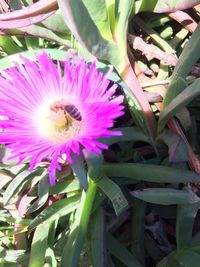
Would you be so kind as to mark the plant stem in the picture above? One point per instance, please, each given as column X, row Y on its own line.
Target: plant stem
column 144, row 112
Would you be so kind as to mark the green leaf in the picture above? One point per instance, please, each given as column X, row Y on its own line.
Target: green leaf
column 189, row 259
column 128, row 134
column 177, row 151
column 72, row 249
column 100, row 197
column 97, row 238
column 111, row 189
column 8, row 61
column 151, row 173
column 66, row 186
column 170, row 261
column 78, row 168
column 80, row 22
column 50, row 258
column 138, row 213
column 165, row 196
column 123, row 11
column 50, row 252
column 114, row 193
column 39, row 245
column 18, row 182
column 56, row 23
column 120, row 252
column 188, row 57
column 83, row 27
column 43, row 193
column 98, row 12
column 180, row 101
column 43, row 32
column 57, row 209
column 176, row 87
column 111, row 13
column 184, row 224
column 38, row 31
column 32, row 42
column 8, row 45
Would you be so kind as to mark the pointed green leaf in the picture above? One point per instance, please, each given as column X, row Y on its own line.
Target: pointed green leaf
column 180, row 101
column 78, row 168
column 97, row 238
column 32, row 42
column 72, row 249
column 170, row 261
column 176, row 87
column 80, row 22
column 177, row 148
column 39, row 245
column 56, row 23
column 165, row 196
column 8, row 61
column 138, row 213
column 8, row 45
column 190, row 258
column 98, row 12
column 38, row 31
column 184, row 224
column 67, row 186
column 57, row 209
column 151, row 173
column 114, row 193
column 111, row 189
column 120, row 252
column 189, row 56
column 123, row 11
column 18, row 182
column 128, row 134
column 83, row 27
column 43, row 193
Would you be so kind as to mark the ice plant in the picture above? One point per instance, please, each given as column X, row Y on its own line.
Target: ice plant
column 50, row 112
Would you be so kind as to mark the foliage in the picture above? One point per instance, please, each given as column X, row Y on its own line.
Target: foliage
column 141, row 207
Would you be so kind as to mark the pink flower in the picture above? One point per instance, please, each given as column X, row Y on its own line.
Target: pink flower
column 50, row 113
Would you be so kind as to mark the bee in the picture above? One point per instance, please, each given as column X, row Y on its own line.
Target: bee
column 73, row 112
column 68, row 109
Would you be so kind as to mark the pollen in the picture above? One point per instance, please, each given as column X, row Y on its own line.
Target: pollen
column 56, row 125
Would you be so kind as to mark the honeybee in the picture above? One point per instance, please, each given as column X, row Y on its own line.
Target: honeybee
column 73, row 112
column 68, row 109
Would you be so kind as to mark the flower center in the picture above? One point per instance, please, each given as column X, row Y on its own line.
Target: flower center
column 62, row 123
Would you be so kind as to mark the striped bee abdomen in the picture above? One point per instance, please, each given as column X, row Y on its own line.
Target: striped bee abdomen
column 73, row 112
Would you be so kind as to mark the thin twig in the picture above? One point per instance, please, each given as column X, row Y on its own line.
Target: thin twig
column 151, row 51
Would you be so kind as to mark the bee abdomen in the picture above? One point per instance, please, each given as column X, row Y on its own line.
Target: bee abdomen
column 73, row 112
